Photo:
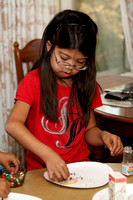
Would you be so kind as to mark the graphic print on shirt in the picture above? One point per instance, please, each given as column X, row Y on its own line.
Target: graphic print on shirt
column 69, row 127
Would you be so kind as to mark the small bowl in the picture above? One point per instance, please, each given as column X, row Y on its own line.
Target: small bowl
column 17, row 179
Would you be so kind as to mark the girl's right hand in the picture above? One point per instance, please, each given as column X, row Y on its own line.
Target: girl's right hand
column 57, row 168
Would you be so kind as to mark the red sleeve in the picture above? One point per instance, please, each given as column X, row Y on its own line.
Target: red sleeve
column 27, row 89
column 96, row 101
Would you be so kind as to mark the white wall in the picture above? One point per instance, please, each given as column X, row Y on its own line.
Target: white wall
column 69, row 4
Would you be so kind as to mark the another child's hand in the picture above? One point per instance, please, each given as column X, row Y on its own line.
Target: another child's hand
column 113, row 142
column 10, row 162
column 57, row 168
column 4, row 188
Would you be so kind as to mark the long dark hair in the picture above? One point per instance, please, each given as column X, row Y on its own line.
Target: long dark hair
column 69, row 29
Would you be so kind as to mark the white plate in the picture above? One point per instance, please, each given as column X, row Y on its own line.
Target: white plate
column 87, row 175
column 19, row 196
column 103, row 194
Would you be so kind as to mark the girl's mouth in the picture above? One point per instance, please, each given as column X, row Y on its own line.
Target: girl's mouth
column 65, row 74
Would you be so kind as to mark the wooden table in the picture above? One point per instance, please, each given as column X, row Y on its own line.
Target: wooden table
column 116, row 120
column 113, row 113
column 35, row 184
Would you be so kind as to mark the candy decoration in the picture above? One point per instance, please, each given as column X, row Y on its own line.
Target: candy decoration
column 3, row 175
column 11, row 179
column 8, row 177
column 15, row 184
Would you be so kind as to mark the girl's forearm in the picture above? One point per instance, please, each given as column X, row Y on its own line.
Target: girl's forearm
column 56, row 166
column 93, row 136
column 20, row 133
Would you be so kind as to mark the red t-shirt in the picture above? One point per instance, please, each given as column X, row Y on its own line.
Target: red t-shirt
column 65, row 137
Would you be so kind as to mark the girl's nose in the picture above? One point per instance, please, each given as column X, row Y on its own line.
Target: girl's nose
column 71, row 67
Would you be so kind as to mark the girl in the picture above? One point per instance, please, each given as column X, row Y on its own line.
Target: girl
column 5, row 160
column 53, row 115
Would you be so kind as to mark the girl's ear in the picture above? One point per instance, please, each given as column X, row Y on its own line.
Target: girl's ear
column 48, row 45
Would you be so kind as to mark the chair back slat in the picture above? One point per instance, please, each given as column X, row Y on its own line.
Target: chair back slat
column 26, row 57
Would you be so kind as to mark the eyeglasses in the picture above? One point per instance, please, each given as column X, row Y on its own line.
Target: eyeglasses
column 68, row 65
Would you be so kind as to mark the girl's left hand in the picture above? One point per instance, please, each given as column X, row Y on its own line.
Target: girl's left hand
column 113, row 142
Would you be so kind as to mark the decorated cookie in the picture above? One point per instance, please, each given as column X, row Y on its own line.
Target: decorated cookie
column 68, row 181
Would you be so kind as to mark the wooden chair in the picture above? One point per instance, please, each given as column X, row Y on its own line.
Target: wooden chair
column 26, row 56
